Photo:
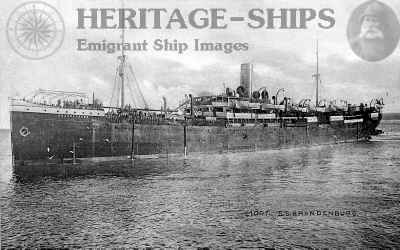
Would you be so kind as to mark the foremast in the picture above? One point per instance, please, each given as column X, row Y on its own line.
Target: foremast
column 123, row 68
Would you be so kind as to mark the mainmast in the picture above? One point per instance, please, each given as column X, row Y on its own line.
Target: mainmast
column 317, row 78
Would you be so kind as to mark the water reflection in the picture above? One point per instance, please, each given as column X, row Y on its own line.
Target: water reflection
column 206, row 201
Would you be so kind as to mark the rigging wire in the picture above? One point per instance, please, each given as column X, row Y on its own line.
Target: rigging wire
column 114, row 87
column 131, row 92
column 138, row 88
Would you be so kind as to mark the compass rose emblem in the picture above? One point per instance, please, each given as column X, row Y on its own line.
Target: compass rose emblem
column 35, row 30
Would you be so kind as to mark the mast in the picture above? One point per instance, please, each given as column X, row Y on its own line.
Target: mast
column 122, row 65
column 317, row 78
column 124, row 72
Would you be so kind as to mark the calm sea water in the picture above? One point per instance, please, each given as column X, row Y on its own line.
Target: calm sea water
column 344, row 195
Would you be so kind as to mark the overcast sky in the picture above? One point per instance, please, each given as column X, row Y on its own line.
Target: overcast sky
column 281, row 58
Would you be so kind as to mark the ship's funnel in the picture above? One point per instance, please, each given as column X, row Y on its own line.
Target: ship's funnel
column 246, row 77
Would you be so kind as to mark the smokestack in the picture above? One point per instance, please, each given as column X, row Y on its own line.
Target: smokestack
column 164, row 104
column 246, row 77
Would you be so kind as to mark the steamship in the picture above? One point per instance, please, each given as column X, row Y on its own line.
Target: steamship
column 64, row 127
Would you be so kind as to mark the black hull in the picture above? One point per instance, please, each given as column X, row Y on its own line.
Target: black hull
column 38, row 137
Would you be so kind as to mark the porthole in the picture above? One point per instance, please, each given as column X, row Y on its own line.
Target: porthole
column 24, row 131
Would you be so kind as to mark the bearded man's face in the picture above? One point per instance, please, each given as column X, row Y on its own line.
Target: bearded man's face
column 371, row 28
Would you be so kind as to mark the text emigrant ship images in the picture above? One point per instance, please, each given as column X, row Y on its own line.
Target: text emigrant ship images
column 57, row 127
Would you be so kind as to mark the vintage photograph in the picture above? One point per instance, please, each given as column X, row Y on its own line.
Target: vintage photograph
column 194, row 124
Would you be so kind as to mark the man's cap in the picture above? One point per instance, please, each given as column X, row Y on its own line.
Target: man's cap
column 374, row 8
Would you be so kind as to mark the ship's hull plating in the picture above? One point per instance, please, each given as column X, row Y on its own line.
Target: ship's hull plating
column 42, row 137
